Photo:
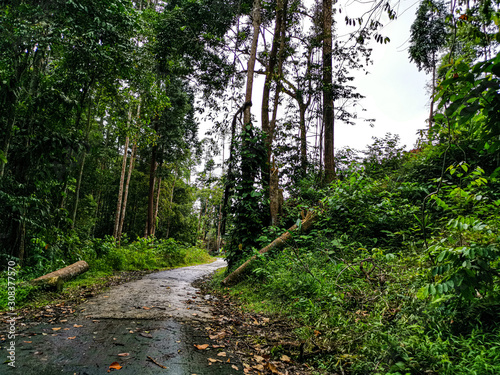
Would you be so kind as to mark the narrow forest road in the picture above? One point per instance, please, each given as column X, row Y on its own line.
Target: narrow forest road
column 148, row 326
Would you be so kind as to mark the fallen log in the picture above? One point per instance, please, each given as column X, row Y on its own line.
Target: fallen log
column 306, row 224
column 57, row 278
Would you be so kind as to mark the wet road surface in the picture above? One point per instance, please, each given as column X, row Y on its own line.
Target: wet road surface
column 149, row 326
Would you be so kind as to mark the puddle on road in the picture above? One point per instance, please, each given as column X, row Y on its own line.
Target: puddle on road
column 93, row 347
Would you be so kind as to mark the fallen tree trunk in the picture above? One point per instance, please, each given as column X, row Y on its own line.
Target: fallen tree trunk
column 57, row 278
column 306, row 224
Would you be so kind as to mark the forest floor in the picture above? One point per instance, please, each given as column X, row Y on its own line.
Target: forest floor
column 164, row 322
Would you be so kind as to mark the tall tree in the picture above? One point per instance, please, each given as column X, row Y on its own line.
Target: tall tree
column 328, row 92
column 428, row 36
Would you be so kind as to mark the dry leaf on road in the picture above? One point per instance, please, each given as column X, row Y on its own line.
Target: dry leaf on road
column 114, row 366
column 201, row 347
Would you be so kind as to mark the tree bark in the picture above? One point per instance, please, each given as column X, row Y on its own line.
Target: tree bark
column 122, row 180
column 125, row 194
column 270, row 71
column 328, row 115
column 157, row 205
column 274, row 194
column 303, row 138
column 152, row 179
column 120, row 189
column 431, row 113
column 82, row 165
column 307, row 223
column 256, row 21
column 170, row 204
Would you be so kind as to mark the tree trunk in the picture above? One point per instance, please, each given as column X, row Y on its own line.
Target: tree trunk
column 157, row 206
column 307, row 223
column 152, row 179
column 431, row 113
column 125, row 194
column 328, row 116
column 22, row 239
column 127, row 184
column 170, row 205
column 256, row 21
column 122, row 179
column 270, row 72
column 303, row 138
column 6, row 144
column 120, row 189
column 274, row 194
column 57, row 278
column 82, row 165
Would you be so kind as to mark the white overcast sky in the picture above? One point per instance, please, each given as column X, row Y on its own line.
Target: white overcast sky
column 394, row 89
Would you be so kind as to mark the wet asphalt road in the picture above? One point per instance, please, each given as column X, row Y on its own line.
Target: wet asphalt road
column 155, row 320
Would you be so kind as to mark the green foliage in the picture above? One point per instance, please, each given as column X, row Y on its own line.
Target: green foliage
column 471, row 105
column 466, row 256
column 374, row 212
column 249, row 205
column 363, row 289
column 428, row 34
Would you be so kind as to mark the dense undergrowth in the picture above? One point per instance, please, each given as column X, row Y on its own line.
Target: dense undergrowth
column 105, row 259
column 400, row 276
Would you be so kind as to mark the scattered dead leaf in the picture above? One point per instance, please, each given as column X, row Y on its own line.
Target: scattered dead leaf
column 221, row 354
column 285, row 358
column 235, row 367
column 114, row 366
column 258, row 358
column 272, row 368
column 72, row 338
column 77, row 325
column 123, row 354
column 56, row 329
column 201, row 347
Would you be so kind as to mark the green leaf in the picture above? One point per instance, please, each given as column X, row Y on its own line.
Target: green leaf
column 432, row 290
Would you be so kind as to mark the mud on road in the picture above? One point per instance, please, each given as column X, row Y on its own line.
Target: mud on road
column 148, row 326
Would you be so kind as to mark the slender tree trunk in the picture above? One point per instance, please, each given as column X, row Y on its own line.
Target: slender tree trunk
column 303, row 138
column 256, row 21
column 328, row 114
column 120, row 189
column 22, row 239
column 82, row 165
column 122, row 179
column 157, row 205
column 125, row 194
column 274, row 194
column 270, row 72
column 6, row 144
column 152, row 179
column 152, row 182
column 431, row 112
column 170, row 205
column 274, row 175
